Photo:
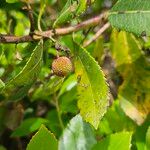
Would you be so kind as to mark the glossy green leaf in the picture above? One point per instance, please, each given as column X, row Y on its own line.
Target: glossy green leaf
column 134, row 92
column 28, row 126
column 77, row 135
column 43, row 140
column 132, row 16
column 115, row 141
column 92, row 87
column 148, row 139
column 28, row 75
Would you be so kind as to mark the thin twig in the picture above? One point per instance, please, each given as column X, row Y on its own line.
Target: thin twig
column 15, row 39
column 97, row 35
column 85, row 24
column 31, row 18
column 50, row 33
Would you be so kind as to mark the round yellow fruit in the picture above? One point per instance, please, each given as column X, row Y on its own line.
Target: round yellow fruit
column 62, row 66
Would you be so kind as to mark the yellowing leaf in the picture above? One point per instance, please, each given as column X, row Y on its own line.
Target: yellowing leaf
column 92, row 87
column 134, row 93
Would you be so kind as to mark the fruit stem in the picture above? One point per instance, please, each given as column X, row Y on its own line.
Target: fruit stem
column 58, row 111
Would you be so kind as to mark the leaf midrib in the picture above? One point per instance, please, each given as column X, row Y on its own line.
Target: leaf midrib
column 95, row 109
column 129, row 12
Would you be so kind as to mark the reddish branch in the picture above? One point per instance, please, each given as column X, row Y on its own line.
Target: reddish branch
column 97, row 35
column 15, row 39
column 50, row 33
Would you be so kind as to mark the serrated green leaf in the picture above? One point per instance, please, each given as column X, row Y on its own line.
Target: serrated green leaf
column 134, row 92
column 148, row 138
column 43, row 140
column 92, row 87
column 30, row 72
column 132, row 16
column 78, row 135
column 81, row 6
column 66, row 13
column 22, row 82
column 28, row 126
column 72, row 7
column 115, row 141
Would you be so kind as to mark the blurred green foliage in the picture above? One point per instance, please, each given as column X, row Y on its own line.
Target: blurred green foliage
column 81, row 110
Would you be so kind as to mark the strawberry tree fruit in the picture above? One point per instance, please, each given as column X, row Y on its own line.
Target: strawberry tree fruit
column 62, row 66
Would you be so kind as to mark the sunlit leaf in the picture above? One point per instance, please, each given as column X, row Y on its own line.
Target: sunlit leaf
column 92, row 87
column 115, row 141
column 43, row 140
